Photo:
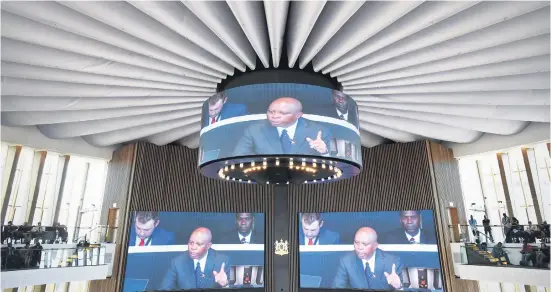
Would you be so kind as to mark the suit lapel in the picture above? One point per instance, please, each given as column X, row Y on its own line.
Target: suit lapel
column 209, row 264
column 300, row 136
column 189, row 269
column 379, row 265
column 272, row 136
column 360, row 272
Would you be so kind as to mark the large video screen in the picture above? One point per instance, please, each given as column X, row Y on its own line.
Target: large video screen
column 279, row 119
column 182, row 250
column 369, row 251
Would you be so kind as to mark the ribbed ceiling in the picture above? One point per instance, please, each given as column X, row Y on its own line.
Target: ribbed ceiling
column 113, row 72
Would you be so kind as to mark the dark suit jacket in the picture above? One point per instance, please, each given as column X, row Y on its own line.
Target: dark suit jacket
column 331, row 111
column 159, row 237
column 350, row 272
column 229, row 110
column 398, row 236
column 233, row 238
column 181, row 273
column 263, row 138
column 325, row 237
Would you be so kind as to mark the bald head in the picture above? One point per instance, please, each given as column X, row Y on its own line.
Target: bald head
column 365, row 242
column 199, row 242
column 284, row 112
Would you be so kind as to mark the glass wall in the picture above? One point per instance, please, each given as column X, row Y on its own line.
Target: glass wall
column 37, row 183
column 484, row 189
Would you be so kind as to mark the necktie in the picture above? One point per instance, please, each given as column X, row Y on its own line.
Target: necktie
column 198, row 275
column 342, row 117
column 213, row 120
column 368, row 274
column 285, row 142
column 412, row 240
column 243, row 240
column 310, row 242
column 142, row 242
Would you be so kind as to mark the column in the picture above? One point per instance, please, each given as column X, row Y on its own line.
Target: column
column 281, row 233
column 505, row 186
column 59, row 198
column 10, row 169
column 531, row 185
column 36, row 178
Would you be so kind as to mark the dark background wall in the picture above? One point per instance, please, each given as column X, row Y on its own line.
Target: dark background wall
column 418, row 175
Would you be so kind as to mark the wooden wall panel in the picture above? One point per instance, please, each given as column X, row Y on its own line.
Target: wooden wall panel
column 395, row 177
column 117, row 189
column 447, row 189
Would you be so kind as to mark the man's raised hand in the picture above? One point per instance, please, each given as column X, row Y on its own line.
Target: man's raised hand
column 221, row 277
column 318, row 144
column 393, row 279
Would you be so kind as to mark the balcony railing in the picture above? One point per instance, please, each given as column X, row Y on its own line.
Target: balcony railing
column 500, row 233
column 58, row 234
column 534, row 256
column 38, row 258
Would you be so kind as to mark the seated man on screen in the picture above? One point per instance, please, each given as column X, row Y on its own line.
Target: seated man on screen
column 284, row 132
column 342, row 109
column 146, row 231
column 244, row 233
column 410, row 232
column 368, row 267
column 312, row 232
column 220, row 109
column 199, row 267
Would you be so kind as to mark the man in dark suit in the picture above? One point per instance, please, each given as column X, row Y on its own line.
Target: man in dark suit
column 284, row 132
column 410, row 232
column 200, row 267
column 312, row 232
column 244, row 233
column 342, row 109
column 220, row 109
column 146, row 231
column 368, row 267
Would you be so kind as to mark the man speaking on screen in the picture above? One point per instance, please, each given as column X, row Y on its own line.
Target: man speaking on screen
column 368, row 267
column 284, row 132
column 198, row 268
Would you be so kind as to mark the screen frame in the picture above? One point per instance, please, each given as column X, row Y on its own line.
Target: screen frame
column 126, row 241
column 313, row 289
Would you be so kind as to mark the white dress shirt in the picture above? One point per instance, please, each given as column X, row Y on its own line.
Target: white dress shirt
column 371, row 262
column 417, row 237
column 290, row 130
column 147, row 241
column 314, row 240
column 202, row 261
column 247, row 238
column 344, row 115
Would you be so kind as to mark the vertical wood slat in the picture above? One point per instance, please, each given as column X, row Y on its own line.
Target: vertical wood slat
column 531, row 185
